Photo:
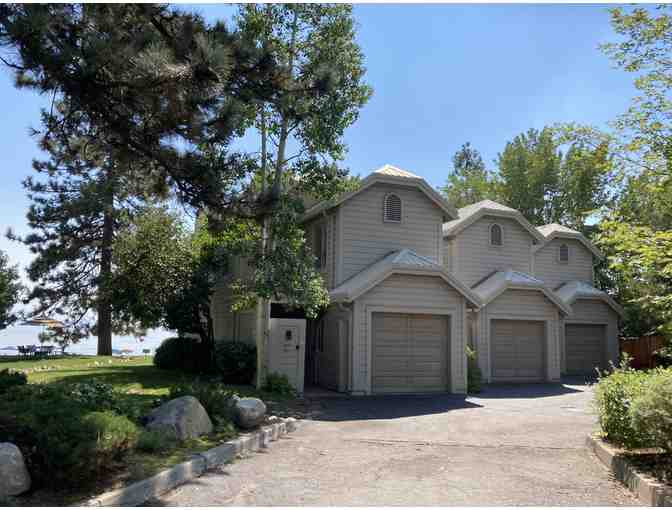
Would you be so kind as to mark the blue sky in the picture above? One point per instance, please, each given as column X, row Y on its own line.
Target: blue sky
column 442, row 75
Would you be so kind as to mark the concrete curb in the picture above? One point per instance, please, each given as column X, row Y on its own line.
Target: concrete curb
column 649, row 491
column 139, row 492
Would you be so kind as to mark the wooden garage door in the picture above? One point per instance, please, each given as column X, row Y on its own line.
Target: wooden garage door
column 517, row 350
column 409, row 353
column 584, row 348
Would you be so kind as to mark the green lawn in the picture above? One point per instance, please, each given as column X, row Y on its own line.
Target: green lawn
column 143, row 384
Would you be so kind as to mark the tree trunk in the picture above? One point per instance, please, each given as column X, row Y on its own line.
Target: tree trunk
column 104, row 304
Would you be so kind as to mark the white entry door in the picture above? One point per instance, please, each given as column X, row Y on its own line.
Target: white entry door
column 287, row 350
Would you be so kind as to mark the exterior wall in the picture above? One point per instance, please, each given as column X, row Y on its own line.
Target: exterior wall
column 366, row 238
column 593, row 311
column 331, row 224
column 448, row 255
column 475, row 258
column 519, row 305
column 228, row 325
column 554, row 273
column 409, row 294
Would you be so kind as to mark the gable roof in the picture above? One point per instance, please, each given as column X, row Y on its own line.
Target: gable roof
column 397, row 262
column 387, row 174
column 571, row 291
column 553, row 230
column 501, row 281
column 471, row 213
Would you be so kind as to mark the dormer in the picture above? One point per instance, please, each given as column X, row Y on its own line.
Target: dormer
column 566, row 255
column 393, row 209
column 487, row 237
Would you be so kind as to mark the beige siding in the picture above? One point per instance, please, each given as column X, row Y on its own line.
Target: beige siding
column 476, row 258
column 553, row 273
column 409, row 294
column 448, row 256
column 520, row 305
column 328, row 271
column 593, row 311
column 367, row 238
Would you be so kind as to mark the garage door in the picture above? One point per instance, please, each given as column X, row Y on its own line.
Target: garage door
column 517, row 349
column 584, row 348
column 409, row 353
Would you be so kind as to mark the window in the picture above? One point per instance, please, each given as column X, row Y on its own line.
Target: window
column 563, row 254
column 320, row 246
column 496, row 235
column 392, row 208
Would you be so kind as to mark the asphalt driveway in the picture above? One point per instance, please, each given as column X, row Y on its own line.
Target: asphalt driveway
column 511, row 445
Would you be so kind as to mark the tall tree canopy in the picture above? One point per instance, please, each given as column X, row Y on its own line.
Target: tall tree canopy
column 10, row 291
column 549, row 187
column 469, row 181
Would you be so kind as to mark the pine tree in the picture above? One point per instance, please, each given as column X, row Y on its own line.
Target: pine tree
column 469, row 181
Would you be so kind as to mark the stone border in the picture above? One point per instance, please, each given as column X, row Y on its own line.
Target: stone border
column 649, row 491
column 139, row 492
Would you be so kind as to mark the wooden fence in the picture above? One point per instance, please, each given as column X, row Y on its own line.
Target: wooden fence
column 641, row 350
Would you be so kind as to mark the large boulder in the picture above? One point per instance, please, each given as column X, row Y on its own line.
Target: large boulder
column 182, row 418
column 14, row 477
column 248, row 412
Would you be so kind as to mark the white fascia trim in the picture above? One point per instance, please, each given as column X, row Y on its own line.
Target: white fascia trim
column 515, row 215
column 566, row 308
column 374, row 178
column 568, row 235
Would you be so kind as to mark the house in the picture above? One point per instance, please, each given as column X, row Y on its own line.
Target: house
column 412, row 281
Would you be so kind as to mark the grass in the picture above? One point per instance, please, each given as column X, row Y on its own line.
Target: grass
column 143, row 384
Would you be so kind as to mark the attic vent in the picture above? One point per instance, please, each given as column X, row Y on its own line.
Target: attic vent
column 392, row 208
column 496, row 235
column 563, row 254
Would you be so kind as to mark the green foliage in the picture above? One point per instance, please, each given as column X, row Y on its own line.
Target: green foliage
column 177, row 353
column 115, row 436
column 213, row 397
column 469, row 181
column 10, row 378
column 474, row 376
column 10, row 291
column 153, row 441
column 279, row 384
column 237, row 361
column 614, row 395
column 651, row 411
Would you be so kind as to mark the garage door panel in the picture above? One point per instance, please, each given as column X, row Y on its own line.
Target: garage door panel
column 409, row 353
column 517, row 350
column 585, row 346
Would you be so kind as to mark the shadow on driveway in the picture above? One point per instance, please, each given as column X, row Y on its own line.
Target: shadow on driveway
column 530, row 390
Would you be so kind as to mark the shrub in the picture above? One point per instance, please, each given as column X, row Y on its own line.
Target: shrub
column 176, row 353
column 92, row 394
column 213, row 397
column 237, row 361
column 614, row 395
column 651, row 411
column 9, row 379
column 112, row 437
column 152, row 441
column 279, row 384
column 474, row 376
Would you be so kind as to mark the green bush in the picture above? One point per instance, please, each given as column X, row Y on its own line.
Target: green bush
column 213, row 397
column 176, row 353
column 152, row 441
column 237, row 361
column 66, row 432
column 614, row 395
column 474, row 376
column 279, row 384
column 651, row 410
column 10, row 379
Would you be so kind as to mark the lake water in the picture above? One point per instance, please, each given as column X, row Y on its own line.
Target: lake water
column 27, row 335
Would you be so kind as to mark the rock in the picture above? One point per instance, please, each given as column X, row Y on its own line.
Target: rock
column 273, row 419
column 182, row 418
column 291, row 424
column 249, row 412
column 14, row 477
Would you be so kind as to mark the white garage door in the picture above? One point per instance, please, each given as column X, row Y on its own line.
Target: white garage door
column 409, row 353
column 584, row 348
column 517, row 350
